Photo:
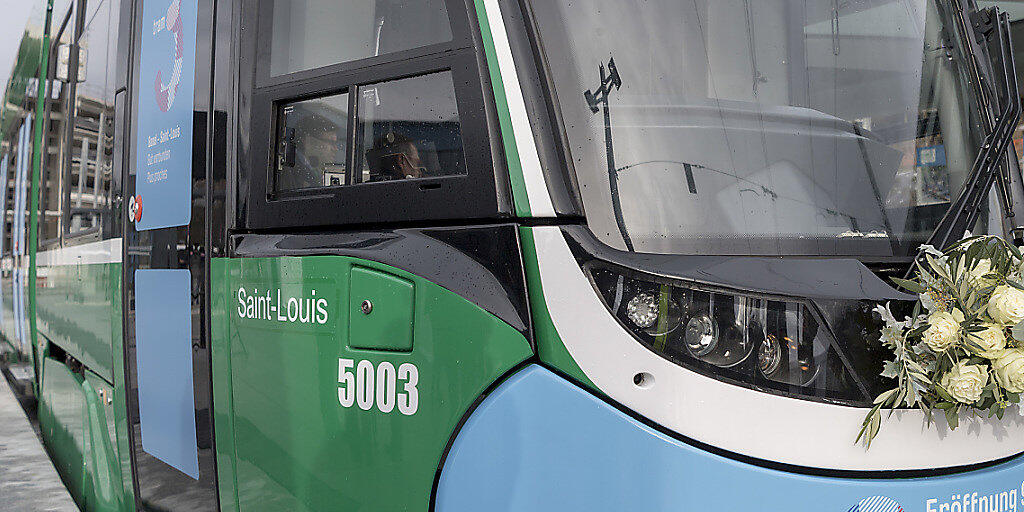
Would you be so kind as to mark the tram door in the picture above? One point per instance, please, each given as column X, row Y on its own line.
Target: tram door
column 164, row 89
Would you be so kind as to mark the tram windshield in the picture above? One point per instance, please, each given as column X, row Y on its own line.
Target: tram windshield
column 762, row 127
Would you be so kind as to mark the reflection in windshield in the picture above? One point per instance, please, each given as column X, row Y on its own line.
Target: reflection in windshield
column 762, row 127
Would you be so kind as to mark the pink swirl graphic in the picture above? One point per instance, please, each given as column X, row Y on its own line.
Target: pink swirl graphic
column 165, row 93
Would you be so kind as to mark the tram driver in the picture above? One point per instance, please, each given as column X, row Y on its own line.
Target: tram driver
column 319, row 144
column 394, row 156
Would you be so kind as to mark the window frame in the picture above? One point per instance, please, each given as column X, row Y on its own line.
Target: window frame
column 103, row 216
column 480, row 193
column 69, row 21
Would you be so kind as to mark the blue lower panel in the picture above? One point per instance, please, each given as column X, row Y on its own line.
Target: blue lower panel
column 540, row 443
column 163, row 334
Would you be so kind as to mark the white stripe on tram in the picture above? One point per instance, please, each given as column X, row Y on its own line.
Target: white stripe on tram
column 103, row 251
column 533, row 174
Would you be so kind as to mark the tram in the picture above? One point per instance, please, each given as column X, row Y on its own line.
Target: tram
column 488, row 255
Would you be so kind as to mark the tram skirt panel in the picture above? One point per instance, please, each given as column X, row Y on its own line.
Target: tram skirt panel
column 540, row 443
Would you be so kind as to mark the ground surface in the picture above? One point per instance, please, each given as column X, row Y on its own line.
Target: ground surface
column 28, row 480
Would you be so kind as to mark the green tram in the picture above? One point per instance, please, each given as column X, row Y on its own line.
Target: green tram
column 482, row 255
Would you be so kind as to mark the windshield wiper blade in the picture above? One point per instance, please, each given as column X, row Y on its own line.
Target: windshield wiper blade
column 992, row 28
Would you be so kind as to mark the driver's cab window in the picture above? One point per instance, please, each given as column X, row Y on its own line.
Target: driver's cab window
column 404, row 129
column 311, row 143
column 363, row 107
column 409, row 129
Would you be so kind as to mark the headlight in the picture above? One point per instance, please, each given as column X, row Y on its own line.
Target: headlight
column 775, row 344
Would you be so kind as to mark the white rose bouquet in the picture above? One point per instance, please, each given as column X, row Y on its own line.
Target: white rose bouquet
column 962, row 348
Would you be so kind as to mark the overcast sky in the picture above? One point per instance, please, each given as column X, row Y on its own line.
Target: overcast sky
column 12, row 26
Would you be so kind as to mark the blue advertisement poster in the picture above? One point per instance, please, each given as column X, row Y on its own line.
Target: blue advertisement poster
column 163, row 165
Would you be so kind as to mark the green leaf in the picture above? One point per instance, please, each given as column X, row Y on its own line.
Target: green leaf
column 1015, row 284
column 909, row 285
column 876, row 423
column 975, row 360
column 869, row 427
column 942, row 392
column 1015, row 251
column 952, row 418
column 971, row 256
column 937, row 266
column 890, row 370
column 917, row 331
column 1017, row 331
column 922, row 378
column 882, row 398
column 900, row 397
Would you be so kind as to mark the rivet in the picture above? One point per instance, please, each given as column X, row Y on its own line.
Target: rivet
column 366, row 307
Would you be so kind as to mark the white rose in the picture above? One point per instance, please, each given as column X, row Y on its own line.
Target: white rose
column 1009, row 368
column 1006, row 305
column 988, row 343
column 943, row 330
column 965, row 382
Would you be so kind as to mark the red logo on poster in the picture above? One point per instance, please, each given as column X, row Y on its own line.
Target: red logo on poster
column 135, row 208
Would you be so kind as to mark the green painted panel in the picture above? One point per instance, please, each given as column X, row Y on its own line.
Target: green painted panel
column 303, row 441
column 102, row 462
column 550, row 348
column 62, row 422
column 386, row 324
column 76, row 418
column 75, row 306
column 223, row 415
column 120, row 403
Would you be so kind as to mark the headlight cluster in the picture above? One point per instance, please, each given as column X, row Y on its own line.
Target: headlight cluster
column 770, row 343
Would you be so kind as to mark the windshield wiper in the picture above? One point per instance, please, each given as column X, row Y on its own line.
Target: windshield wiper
column 990, row 28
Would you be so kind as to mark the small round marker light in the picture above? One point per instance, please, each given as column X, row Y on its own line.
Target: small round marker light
column 642, row 310
column 701, row 335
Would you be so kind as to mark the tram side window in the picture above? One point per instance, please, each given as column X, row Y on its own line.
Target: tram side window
column 409, row 129
column 311, row 142
column 90, row 171
column 405, row 129
column 309, row 34
column 56, row 126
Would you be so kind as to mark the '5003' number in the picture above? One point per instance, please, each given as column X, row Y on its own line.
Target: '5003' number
column 363, row 385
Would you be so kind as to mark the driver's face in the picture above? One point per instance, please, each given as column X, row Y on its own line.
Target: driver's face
column 321, row 146
column 411, row 162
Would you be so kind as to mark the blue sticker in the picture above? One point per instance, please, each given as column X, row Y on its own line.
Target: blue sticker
column 931, row 156
column 163, row 166
column 163, row 339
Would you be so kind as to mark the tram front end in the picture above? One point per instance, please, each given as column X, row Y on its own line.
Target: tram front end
column 749, row 179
